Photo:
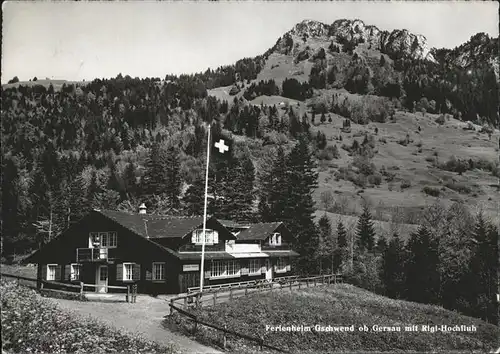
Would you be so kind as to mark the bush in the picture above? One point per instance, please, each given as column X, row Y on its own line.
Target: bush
column 375, row 179
column 440, row 120
column 434, row 192
column 364, row 165
column 405, row 184
column 31, row 324
column 329, row 153
column 461, row 188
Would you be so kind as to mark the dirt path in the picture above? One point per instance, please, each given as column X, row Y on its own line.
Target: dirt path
column 144, row 317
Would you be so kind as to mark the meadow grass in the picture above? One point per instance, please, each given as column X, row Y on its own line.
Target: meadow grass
column 33, row 324
column 344, row 305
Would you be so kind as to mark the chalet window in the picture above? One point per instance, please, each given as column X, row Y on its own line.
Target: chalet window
column 233, row 268
column 218, row 269
column 281, row 265
column 128, row 271
column 254, row 266
column 275, row 239
column 211, row 237
column 158, row 271
column 75, row 271
column 103, row 239
column 51, row 271
column 112, row 239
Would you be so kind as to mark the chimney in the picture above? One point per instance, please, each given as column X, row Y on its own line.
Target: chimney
column 142, row 209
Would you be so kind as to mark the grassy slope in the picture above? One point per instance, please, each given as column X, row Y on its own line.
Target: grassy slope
column 346, row 305
column 446, row 140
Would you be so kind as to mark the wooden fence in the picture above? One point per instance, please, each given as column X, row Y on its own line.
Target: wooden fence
column 212, row 293
column 72, row 289
column 224, row 330
column 230, row 290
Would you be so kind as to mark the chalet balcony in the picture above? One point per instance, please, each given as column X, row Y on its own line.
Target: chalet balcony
column 282, row 247
column 95, row 254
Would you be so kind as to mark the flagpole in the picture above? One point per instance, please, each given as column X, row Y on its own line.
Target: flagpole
column 205, row 215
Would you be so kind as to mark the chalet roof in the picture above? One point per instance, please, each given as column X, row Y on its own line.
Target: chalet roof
column 155, row 226
column 232, row 224
column 258, row 231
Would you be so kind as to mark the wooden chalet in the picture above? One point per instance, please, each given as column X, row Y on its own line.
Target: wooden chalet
column 162, row 254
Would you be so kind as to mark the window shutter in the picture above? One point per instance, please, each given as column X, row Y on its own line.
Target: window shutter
column 136, row 272
column 119, row 271
column 149, row 273
column 67, row 272
column 216, row 236
column 263, row 268
column 44, row 271
column 58, row 272
column 288, row 267
column 207, row 274
column 193, row 237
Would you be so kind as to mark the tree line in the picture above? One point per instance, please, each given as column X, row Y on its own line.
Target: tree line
column 451, row 260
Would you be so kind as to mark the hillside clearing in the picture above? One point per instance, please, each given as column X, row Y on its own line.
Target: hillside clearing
column 346, row 305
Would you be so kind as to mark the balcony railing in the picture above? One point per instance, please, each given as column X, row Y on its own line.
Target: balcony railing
column 95, row 254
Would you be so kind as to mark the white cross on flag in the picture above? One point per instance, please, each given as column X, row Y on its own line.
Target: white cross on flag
column 221, row 145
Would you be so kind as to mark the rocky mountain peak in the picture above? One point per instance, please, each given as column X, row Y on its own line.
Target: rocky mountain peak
column 310, row 28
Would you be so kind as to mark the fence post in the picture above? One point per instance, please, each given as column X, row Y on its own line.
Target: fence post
column 246, row 291
column 215, row 298
column 261, row 342
column 128, row 293
column 195, row 324
column 335, row 279
column 185, row 303
column 81, row 288
column 314, row 281
column 290, row 284
column 231, row 293
column 224, row 341
column 134, row 291
column 299, row 284
column 307, row 281
column 171, row 308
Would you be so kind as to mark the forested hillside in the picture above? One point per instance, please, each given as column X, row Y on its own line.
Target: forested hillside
column 115, row 143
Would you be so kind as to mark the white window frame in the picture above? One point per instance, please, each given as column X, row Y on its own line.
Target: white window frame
column 281, row 265
column 233, row 268
column 112, row 239
column 275, row 239
column 211, row 237
column 254, row 266
column 104, row 239
column 75, row 275
column 51, row 276
column 225, row 269
column 162, row 270
column 125, row 271
column 218, row 269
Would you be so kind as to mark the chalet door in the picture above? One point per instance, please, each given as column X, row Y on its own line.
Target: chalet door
column 189, row 280
column 269, row 270
column 102, row 279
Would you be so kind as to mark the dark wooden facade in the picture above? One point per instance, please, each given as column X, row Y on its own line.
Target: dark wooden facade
column 180, row 256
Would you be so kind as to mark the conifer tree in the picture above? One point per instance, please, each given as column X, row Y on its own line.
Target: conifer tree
column 299, row 207
column 325, row 254
column 393, row 268
column 154, row 182
column 364, row 232
column 277, row 194
column 483, row 278
column 130, row 180
column 10, row 205
column 421, row 271
column 381, row 244
column 173, row 179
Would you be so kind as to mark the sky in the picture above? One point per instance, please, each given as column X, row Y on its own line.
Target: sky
column 87, row 40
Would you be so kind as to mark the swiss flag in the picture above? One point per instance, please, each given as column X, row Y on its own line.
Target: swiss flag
column 222, row 146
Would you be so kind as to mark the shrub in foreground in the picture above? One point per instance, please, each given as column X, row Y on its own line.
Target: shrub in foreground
column 32, row 324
